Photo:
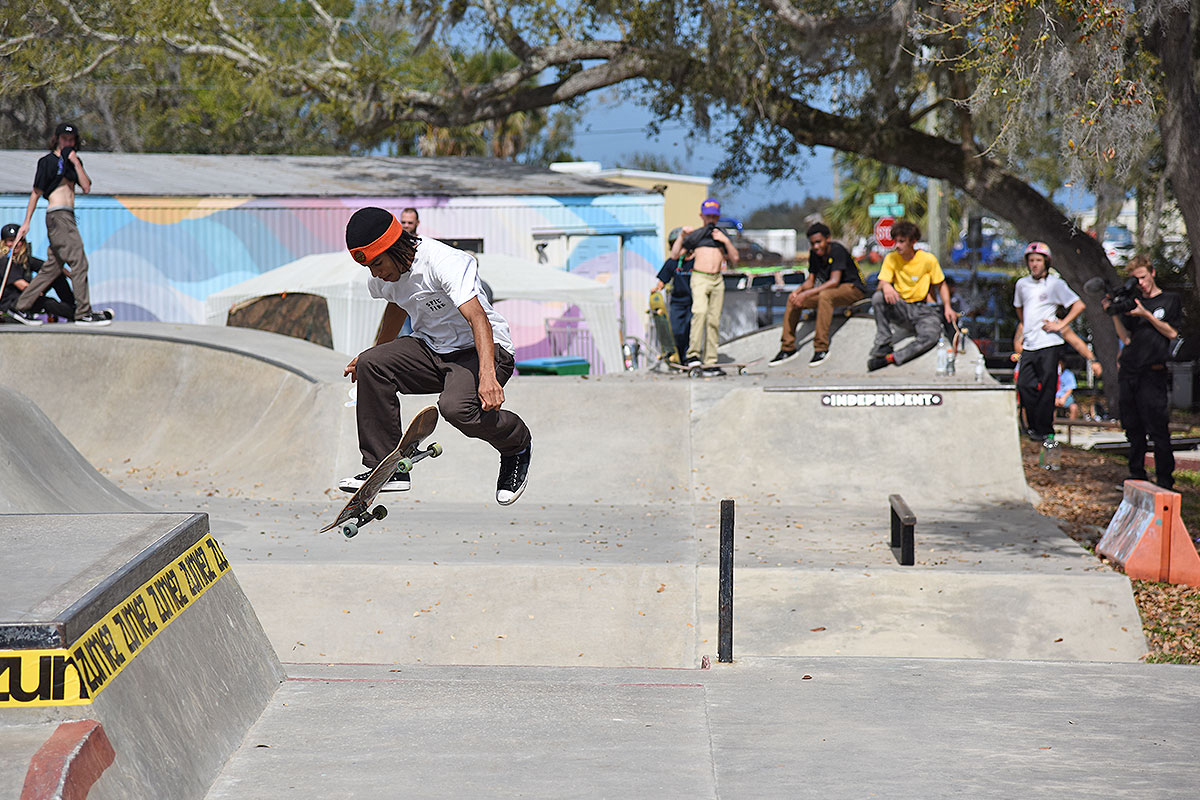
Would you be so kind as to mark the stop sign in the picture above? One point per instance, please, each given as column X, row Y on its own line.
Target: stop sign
column 883, row 232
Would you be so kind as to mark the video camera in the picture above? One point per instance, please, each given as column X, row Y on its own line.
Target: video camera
column 1122, row 299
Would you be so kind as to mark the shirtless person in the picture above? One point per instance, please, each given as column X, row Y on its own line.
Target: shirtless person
column 57, row 174
column 711, row 247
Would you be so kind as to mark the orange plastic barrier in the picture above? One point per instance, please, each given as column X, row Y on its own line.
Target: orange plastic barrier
column 1148, row 538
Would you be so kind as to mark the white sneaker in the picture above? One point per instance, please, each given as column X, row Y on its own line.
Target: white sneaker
column 399, row 483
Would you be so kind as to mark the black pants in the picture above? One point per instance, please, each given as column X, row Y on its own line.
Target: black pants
column 408, row 366
column 1037, row 381
column 680, row 314
column 1145, row 412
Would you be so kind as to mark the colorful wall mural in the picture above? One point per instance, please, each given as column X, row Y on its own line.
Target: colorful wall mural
column 158, row 258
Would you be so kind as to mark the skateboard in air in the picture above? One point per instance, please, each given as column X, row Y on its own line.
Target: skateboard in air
column 698, row 372
column 662, row 327
column 407, row 453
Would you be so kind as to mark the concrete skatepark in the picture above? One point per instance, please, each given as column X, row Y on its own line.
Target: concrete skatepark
column 555, row 647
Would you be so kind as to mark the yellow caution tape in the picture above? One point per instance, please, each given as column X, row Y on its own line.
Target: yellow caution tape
column 75, row 675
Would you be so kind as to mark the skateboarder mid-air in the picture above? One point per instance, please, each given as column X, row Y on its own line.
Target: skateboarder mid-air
column 460, row 347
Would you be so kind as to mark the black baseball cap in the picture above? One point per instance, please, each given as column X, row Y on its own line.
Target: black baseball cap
column 9, row 231
column 66, row 127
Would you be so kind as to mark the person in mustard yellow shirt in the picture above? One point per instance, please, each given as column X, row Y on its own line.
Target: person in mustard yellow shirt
column 908, row 276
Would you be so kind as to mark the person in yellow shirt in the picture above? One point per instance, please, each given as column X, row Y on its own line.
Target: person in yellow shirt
column 908, row 276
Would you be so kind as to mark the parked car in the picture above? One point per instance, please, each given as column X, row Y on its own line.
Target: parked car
column 752, row 254
column 1118, row 244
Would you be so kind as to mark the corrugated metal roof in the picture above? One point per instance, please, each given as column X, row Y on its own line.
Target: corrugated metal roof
column 170, row 174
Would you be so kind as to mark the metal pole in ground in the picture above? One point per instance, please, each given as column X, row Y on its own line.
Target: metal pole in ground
column 725, row 592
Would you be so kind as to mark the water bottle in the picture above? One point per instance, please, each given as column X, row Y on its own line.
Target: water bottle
column 980, row 370
column 942, row 355
column 1051, row 455
column 950, row 353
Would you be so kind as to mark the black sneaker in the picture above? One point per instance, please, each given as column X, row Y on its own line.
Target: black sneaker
column 399, row 483
column 818, row 357
column 693, row 361
column 514, row 476
column 780, row 357
column 712, row 372
column 876, row 362
column 23, row 317
column 94, row 319
column 107, row 313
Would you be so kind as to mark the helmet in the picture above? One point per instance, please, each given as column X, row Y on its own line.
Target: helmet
column 1041, row 248
column 9, row 231
column 673, row 235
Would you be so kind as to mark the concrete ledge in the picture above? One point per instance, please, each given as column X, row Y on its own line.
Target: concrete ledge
column 141, row 627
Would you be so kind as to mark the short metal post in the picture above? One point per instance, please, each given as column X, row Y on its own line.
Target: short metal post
column 725, row 594
column 904, row 523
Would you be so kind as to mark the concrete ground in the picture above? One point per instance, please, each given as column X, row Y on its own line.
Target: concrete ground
column 761, row 728
column 606, row 569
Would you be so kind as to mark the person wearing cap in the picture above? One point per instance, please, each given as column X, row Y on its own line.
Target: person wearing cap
column 833, row 280
column 1039, row 338
column 711, row 248
column 460, row 348
column 58, row 173
column 18, row 268
column 677, row 272
column 907, row 278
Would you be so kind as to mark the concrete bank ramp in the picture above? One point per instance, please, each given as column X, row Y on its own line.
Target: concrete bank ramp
column 43, row 472
column 135, row 625
column 239, row 410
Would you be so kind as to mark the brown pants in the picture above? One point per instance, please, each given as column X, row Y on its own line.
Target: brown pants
column 409, row 366
column 824, row 302
column 66, row 247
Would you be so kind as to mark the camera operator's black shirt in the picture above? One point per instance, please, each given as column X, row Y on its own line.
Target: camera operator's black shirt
column 51, row 171
column 1147, row 346
column 838, row 259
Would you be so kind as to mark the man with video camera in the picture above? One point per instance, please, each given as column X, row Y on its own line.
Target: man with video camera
column 1146, row 319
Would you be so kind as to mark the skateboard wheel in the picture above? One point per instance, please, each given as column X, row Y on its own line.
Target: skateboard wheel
column 435, row 449
column 405, row 465
column 741, row 370
column 695, row 373
column 350, row 530
column 379, row 513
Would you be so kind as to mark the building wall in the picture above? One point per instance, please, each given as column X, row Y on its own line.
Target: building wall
column 681, row 200
column 158, row 258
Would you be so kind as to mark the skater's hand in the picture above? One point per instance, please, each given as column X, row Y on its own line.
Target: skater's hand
column 890, row 294
column 21, row 231
column 951, row 316
column 352, row 369
column 491, row 393
column 797, row 297
column 1053, row 325
column 1096, row 368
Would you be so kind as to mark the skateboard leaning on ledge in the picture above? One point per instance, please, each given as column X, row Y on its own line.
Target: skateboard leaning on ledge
column 407, row 453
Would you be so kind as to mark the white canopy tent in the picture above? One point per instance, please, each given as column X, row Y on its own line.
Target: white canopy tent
column 354, row 315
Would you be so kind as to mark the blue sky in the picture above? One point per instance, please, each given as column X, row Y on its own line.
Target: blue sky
column 612, row 128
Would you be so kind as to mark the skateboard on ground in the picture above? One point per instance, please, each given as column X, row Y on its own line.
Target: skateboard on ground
column 698, row 372
column 662, row 327
column 407, row 453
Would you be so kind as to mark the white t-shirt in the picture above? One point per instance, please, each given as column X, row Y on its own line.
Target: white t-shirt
column 442, row 278
column 1040, row 300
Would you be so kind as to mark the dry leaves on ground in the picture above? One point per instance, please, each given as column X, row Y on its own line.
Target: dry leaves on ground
column 1084, row 494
